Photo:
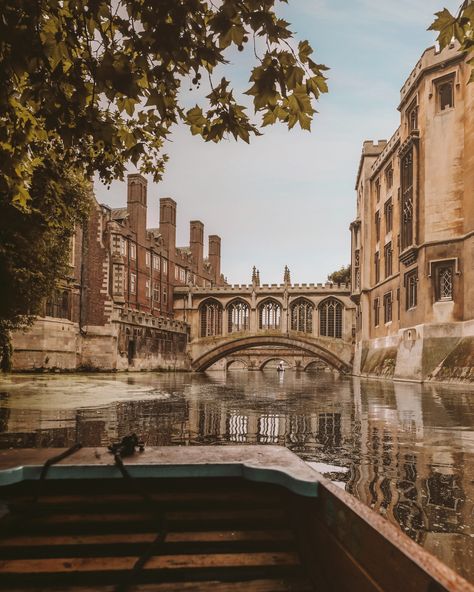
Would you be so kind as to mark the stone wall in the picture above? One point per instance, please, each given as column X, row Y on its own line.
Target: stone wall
column 431, row 352
column 59, row 345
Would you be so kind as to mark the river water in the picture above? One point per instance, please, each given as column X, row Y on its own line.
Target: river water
column 406, row 450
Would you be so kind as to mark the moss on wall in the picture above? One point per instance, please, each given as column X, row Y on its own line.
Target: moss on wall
column 380, row 362
column 459, row 363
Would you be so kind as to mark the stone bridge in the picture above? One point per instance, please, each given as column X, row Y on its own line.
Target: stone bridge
column 317, row 319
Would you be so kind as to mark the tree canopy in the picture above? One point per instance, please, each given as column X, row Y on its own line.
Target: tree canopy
column 341, row 276
column 460, row 27
column 100, row 80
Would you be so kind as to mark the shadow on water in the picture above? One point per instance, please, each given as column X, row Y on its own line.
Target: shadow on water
column 406, row 450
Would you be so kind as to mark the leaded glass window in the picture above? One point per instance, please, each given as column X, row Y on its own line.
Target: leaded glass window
column 407, row 200
column 444, row 278
column 238, row 316
column 211, row 318
column 411, row 287
column 302, row 316
column 330, row 318
column 269, row 315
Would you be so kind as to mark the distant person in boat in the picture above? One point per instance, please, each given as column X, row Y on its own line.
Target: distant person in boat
column 280, row 367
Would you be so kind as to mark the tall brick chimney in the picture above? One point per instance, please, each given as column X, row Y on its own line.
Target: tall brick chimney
column 136, row 205
column 196, row 242
column 215, row 256
column 168, row 223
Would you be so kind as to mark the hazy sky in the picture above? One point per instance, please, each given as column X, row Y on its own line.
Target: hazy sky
column 288, row 198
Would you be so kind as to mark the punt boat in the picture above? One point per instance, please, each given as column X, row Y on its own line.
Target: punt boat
column 220, row 519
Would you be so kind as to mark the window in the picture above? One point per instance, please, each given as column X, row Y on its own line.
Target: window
column 58, row 305
column 165, row 294
column 156, row 262
column 411, row 288
column 133, row 251
column 444, row 276
column 123, row 246
column 156, row 292
column 238, row 316
column 376, row 312
column 302, row 316
column 182, row 275
column 389, row 176
column 165, row 266
column 357, row 269
column 118, row 279
column 211, row 318
column 148, row 288
column 388, row 214
column 377, row 189
column 377, row 267
column 388, row 259
column 387, row 307
column 412, row 117
column 269, row 315
column 377, row 225
column 133, row 283
column 330, row 318
column 445, row 95
column 407, row 200
column 147, row 259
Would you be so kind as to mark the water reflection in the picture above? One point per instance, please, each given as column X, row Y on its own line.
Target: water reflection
column 406, row 450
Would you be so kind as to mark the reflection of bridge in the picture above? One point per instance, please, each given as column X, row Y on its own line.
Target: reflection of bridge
column 315, row 319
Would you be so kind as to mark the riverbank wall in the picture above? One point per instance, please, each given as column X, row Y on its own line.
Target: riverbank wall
column 59, row 345
column 437, row 352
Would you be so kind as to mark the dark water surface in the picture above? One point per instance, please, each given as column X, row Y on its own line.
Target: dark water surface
column 404, row 449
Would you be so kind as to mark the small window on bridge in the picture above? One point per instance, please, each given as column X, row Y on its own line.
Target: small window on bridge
column 269, row 315
column 211, row 319
column 330, row 318
column 238, row 317
column 302, row 316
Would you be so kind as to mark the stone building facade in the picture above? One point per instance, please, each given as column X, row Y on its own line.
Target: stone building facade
column 114, row 311
column 413, row 238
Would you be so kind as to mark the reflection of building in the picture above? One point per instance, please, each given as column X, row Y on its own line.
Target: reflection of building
column 115, row 310
column 413, row 239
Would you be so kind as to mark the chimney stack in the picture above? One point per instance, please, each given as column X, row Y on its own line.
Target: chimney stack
column 168, row 223
column 215, row 256
column 196, row 242
column 137, row 205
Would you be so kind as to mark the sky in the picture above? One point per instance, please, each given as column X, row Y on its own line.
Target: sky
column 288, row 198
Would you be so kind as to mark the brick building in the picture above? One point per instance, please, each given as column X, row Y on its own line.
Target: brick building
column 114, row 311
column 413, row 238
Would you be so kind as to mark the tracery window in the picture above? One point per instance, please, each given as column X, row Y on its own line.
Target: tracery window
column 211, row 318
column 388, row 259
column 238, row 316
column 407, row 200
column 357, row 269
column 411, row 287
column 58, row 305
column 330, row 318
column 445, row 95
column 269, row 315
column 387, row 307
column 444, row 281
column 388, row 211
column 302, row 316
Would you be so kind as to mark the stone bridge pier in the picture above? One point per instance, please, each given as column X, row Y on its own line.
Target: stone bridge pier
column 315, row 319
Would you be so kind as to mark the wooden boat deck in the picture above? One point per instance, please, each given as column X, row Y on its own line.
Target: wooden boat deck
column 261, row 520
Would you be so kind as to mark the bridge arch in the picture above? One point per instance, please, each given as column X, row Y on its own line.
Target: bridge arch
column 287, row 364
column 228, row 346
column 237, row 364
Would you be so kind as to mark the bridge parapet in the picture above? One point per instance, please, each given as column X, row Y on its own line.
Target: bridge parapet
column 249, row 288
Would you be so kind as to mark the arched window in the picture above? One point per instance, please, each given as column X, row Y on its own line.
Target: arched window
column 330, row 318
column 211, row 318
column 238, row 316
column 302, row 316
column 269, row 315
column 58, row 305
